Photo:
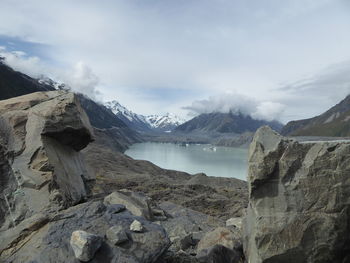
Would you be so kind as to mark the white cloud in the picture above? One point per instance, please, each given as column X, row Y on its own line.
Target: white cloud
column 82, row 79
column 79, row 77
column 207, row 46
column 268, row 110
column 18, row 60
column 315, row 94
column 238, row 103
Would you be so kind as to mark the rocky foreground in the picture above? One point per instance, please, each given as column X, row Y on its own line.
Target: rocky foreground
column 69, row 195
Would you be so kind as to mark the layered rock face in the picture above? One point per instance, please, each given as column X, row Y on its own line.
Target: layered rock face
column 298, row 201
column 42, row 169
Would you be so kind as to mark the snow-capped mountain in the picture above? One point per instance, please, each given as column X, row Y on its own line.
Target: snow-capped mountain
column 44, row 80
column 167, row 122
column 145, row 123
column 117, row 108
column 133, row 120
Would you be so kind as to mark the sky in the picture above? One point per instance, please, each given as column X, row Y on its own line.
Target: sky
column 271, row 59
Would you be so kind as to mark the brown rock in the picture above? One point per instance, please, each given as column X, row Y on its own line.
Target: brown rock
column 44, row 131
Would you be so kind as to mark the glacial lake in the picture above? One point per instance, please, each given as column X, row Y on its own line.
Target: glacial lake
column 194, row 158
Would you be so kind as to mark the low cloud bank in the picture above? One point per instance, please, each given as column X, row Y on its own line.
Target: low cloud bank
column 79, row 77
column 237, row 103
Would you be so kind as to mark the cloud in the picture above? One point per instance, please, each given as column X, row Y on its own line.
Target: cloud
column 82, row 79
column 315, row 94
column 205, row 47
column 268, row 110
column 79, row 77
column 19, row 61
column 237, row 103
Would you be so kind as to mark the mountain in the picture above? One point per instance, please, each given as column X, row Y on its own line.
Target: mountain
column 334, row 122
column 159, row 123
column 133, row 120
column 225, row 123
column 167, row 122
column 14, row 83
column 44, row 80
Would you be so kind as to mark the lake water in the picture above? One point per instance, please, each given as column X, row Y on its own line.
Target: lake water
column 213, row 161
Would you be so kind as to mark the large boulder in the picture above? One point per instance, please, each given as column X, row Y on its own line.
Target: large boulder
column 136, row 203
column 220, row 245
column 41, row 135
column 298, row 201
column 85, row 245
column 219, row 236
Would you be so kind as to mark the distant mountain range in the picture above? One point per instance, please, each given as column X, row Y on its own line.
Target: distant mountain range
column 160, row 123
column 225, row 123
column 334, row 123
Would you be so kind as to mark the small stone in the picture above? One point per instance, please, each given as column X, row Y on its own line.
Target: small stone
column 234, row 221
column 85, row 245
column 188, row 242
column 116, row 235
column 136, row 226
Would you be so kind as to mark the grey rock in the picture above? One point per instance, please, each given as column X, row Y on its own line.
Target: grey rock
column 188, row 241
column 220, row 245
column 116, row 235
column 50, row 242
column 186, row 227
column 116, row 208
column 219, row 236
column 136, row 226
column 177, row 257
column 10, row 238
column 85, row 245
column 298, row 200
column 136, row 203
column 219, row 254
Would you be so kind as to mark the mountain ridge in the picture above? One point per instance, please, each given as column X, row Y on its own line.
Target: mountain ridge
column 225, row 123
column 334, row 122
column 14, row 83
column 149, row 123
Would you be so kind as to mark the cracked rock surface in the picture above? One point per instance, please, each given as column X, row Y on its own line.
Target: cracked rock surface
column 299, row 202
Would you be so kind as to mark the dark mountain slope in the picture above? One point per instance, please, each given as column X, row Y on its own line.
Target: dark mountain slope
column 99, row 115
column 14, row 83
column 106, row 122
column 225, row 123
column 334, row 122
